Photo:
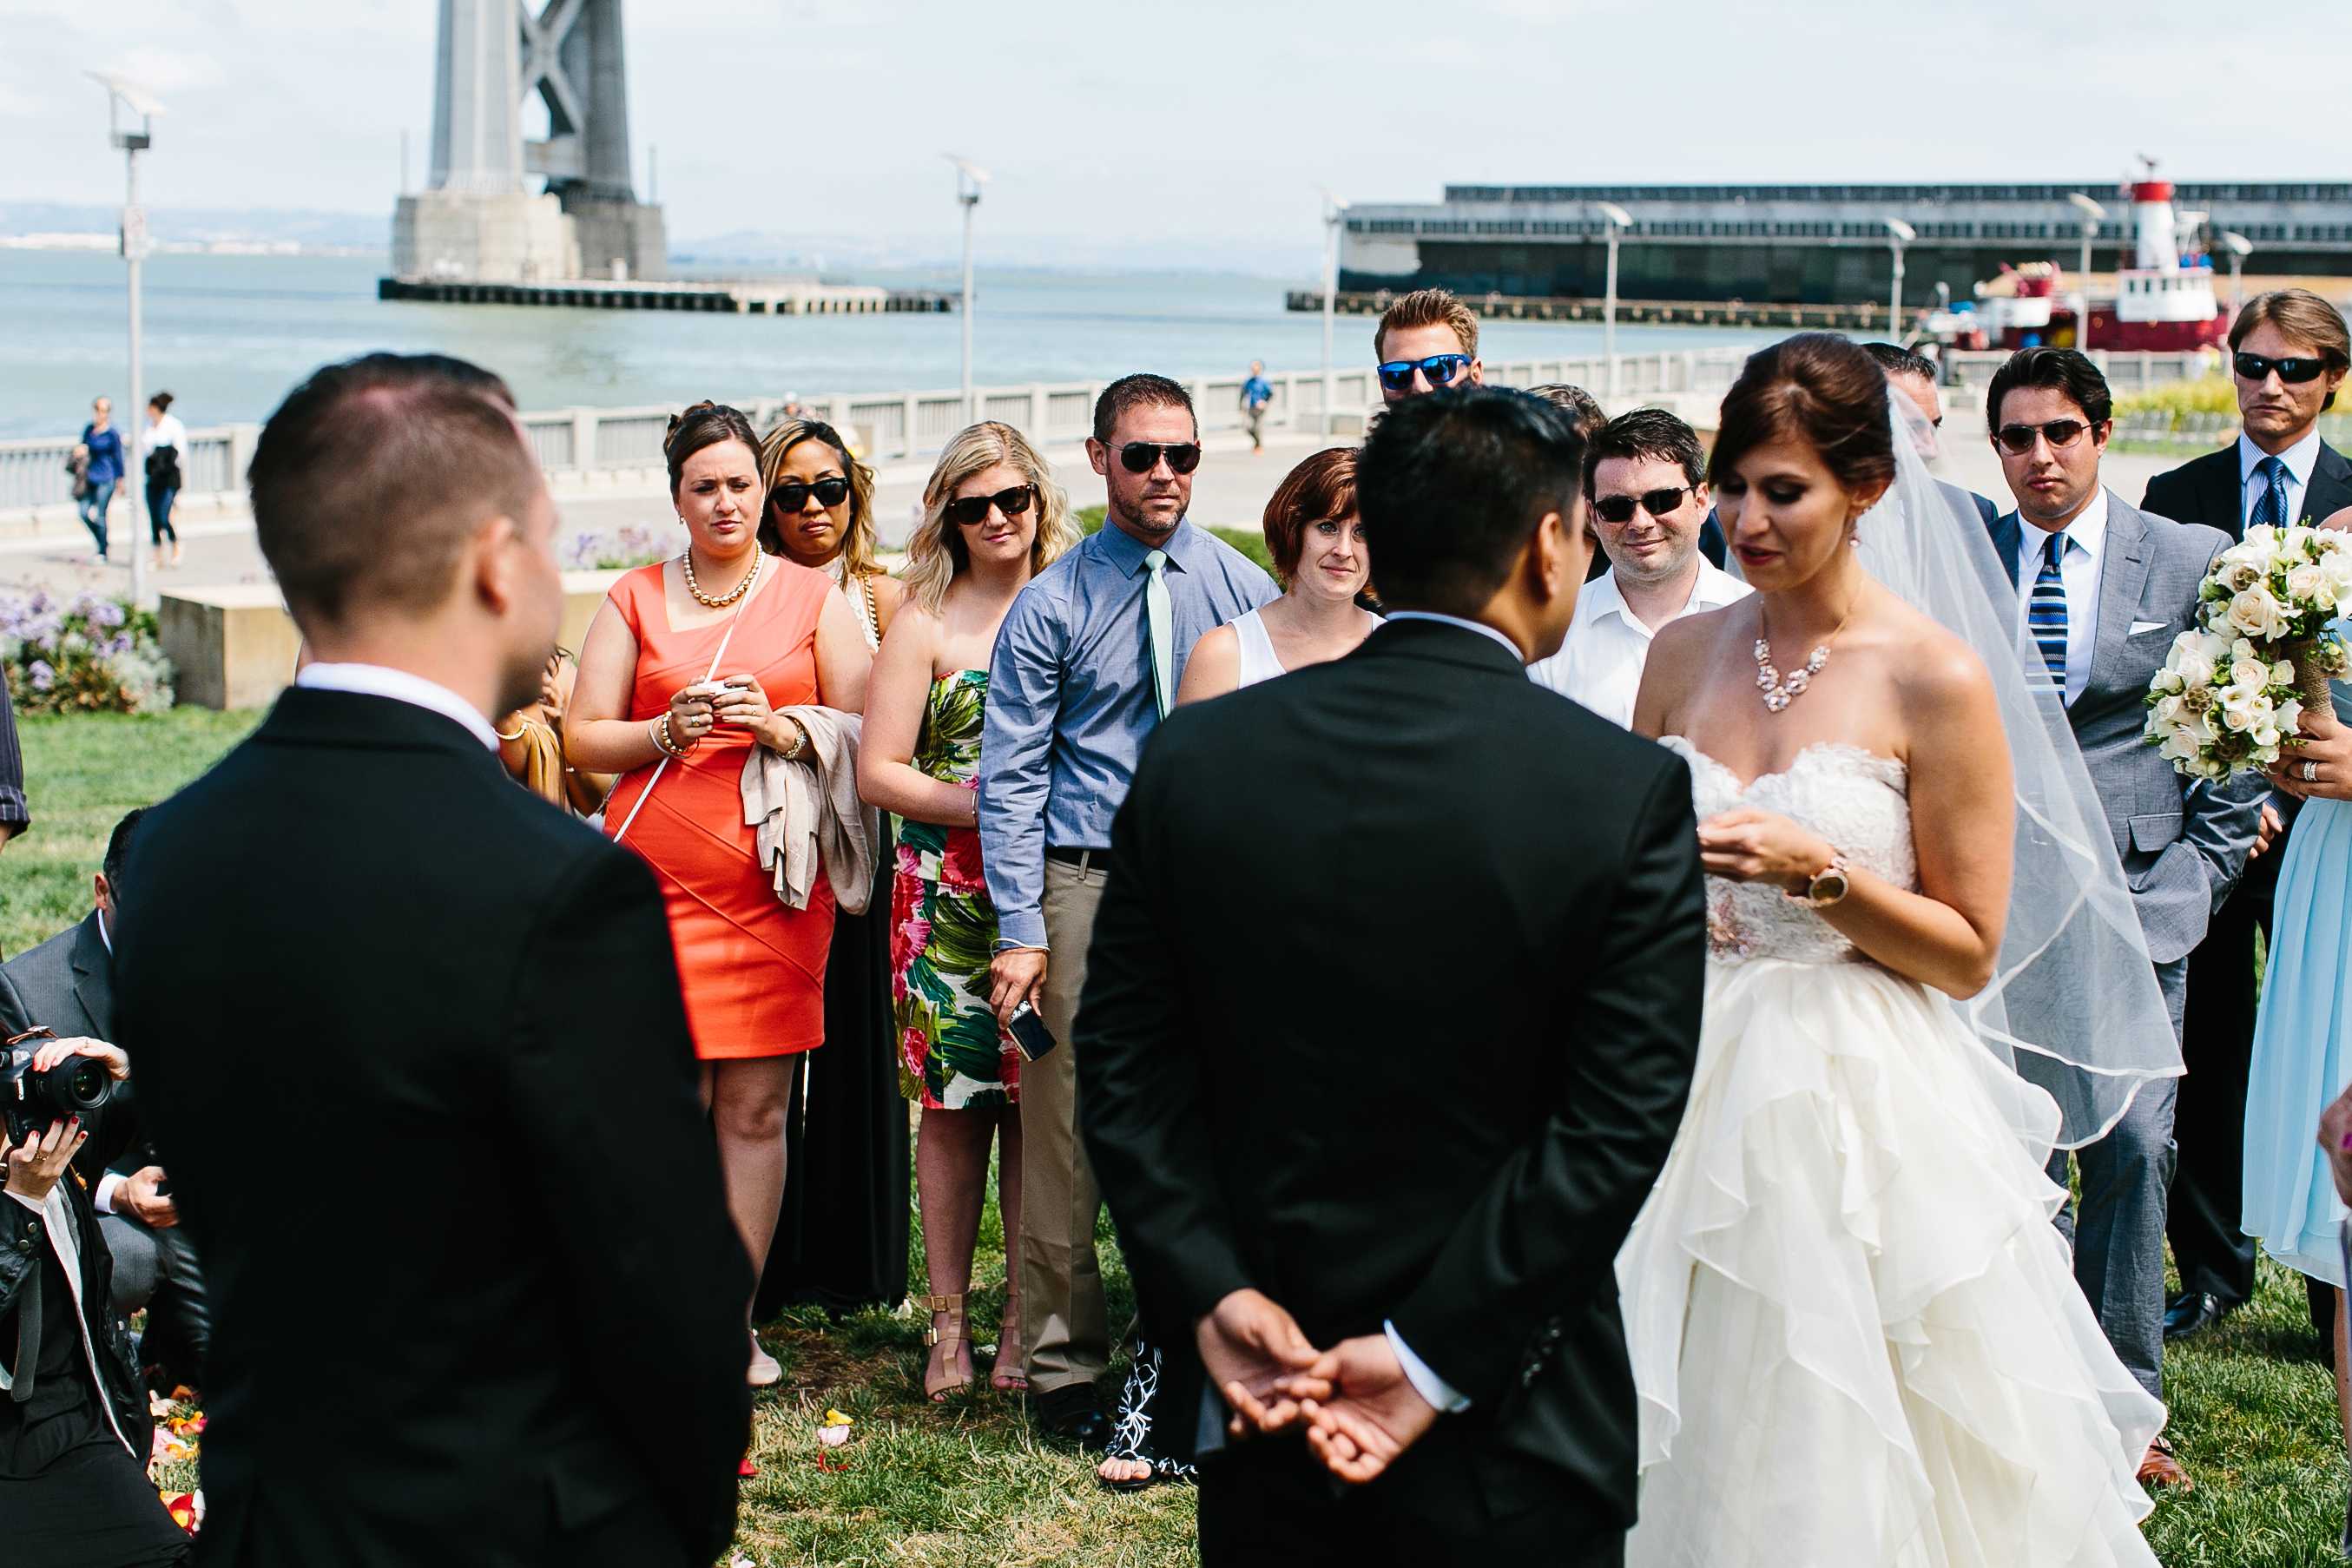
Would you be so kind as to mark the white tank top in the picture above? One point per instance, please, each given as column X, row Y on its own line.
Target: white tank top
column 1258, row 661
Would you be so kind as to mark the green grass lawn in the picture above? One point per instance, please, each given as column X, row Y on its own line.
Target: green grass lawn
column 81, row 774
column 970, row 1481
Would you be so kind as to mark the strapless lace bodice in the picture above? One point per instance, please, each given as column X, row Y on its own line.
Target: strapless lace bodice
column 1857, row 799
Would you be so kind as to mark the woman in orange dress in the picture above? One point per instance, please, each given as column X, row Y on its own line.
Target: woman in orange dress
column 659, row 701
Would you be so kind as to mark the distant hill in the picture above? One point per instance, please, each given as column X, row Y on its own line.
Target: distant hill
column 997, row 252
column 204, row 225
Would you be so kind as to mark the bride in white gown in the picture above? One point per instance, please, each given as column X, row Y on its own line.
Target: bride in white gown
column 1855, row 1334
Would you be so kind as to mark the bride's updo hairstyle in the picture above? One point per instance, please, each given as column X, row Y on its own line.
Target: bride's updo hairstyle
column 1816, row 387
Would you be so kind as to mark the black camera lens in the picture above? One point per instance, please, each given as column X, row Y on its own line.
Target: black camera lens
column 85, row 1088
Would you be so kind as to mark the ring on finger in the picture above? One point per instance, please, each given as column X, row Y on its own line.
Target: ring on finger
column 2310, row 770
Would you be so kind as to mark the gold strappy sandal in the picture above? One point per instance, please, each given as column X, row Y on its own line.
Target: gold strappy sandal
column 939, row 1388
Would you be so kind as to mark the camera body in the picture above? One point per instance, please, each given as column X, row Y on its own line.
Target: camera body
column 30, row 1102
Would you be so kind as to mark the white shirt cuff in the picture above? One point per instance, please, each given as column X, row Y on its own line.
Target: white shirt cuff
column 33, row 1203
column 102, row 1200
column 1425, row 1382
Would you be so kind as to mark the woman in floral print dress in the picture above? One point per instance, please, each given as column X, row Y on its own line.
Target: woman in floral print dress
column 991, row 520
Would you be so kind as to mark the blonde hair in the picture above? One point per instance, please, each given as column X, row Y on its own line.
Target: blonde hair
column 936, row 551
column 859, row 541
column 1429, row 308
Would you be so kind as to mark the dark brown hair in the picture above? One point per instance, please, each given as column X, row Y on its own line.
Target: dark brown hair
column 2300, row 314
column 373, row 475
column 1320, row 489
column 1139, row 391
column 706, row 424
column 1646, row 432
column 859, row 541
column 2064, row 370
column 1819, row 388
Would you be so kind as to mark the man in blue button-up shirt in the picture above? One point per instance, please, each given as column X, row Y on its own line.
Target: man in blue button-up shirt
column 1087, row 663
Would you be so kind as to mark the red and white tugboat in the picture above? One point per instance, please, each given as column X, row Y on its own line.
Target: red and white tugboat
column 2166, row 302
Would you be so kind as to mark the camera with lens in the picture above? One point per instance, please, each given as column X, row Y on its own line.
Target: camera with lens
column 29, row 1101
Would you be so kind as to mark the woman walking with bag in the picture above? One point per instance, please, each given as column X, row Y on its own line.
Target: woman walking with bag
column 686, row 667
column 165, row 441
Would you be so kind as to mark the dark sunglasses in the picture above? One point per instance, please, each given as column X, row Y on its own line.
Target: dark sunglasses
column 1397, row 375
column 1657, row 503
column 2060, row 433
column 1143, row 456
column 792, row 494
column 969, row 512
column 2254, row 367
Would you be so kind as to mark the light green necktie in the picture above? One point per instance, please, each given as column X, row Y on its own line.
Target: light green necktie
column 1156, row 615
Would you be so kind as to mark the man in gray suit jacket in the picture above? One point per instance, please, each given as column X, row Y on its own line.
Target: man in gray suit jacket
column 66, row 987
column 2102, row 591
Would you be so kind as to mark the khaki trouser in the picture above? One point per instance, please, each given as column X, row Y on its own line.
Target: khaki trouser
column 1065, row 1322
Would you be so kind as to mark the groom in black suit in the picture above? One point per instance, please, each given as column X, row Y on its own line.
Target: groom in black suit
column 514, row 1333
column 1389, row 1021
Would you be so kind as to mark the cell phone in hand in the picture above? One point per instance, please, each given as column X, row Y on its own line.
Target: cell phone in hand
column 1030, row 1036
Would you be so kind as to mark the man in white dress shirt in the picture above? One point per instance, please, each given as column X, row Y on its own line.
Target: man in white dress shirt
column 1643, row 484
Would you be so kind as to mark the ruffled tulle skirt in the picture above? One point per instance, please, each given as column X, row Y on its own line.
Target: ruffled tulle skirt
column 1855, row 1334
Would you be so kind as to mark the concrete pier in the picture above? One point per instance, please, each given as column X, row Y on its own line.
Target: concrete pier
column 1864, row 317
column 786, row 297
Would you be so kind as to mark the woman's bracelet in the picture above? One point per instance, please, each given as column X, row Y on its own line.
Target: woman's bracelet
column 660, row 731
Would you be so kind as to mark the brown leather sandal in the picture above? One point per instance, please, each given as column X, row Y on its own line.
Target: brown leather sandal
column 942, row 1388
column 1006, row 1376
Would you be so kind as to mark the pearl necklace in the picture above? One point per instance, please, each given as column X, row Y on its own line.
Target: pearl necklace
column 758, row 559
column 1778, row 693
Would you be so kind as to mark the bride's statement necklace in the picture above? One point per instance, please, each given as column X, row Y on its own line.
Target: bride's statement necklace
column 1778, row 693
column 719, row 602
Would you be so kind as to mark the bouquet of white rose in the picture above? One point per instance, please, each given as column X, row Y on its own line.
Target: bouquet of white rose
column 2231, row 694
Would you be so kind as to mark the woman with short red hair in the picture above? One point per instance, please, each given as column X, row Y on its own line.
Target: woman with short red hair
column 1318, row 544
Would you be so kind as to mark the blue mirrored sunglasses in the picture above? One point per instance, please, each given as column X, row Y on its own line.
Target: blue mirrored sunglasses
column 1440, row 369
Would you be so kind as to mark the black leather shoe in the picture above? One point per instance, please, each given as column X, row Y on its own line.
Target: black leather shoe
column 2192, row 1312
column 1070, row 1412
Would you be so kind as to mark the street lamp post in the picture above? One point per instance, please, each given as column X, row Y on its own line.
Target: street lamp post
column 970, row 177
column 1618, row 220
column 2239, row 248
column 1899, row 235
column 2092, row 216
column 1335, row 207
column 122, row 95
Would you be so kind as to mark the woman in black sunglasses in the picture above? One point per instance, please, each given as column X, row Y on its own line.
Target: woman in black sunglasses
column 852, row 1252
column 993, row 519
column 820, row 514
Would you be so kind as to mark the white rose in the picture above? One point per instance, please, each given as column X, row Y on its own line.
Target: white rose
column 2167, row 708
column 2304, row 585
column 2241, row 649
column 2295, row 543
column 2254, row 613
column 2335, row 566
column 2282, row 673
column 2248, row 671
column 2166, row 680
column 2194, row 667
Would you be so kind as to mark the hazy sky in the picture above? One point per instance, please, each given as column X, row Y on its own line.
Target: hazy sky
column 1199, row 128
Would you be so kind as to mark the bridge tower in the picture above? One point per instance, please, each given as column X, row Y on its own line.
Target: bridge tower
column 477, row 220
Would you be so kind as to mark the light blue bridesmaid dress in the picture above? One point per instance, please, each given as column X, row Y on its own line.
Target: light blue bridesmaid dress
column 2302, row 1041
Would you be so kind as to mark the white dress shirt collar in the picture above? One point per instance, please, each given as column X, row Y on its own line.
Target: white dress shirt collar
column 1483, row 629
column 2299, row 458
column 382, row 680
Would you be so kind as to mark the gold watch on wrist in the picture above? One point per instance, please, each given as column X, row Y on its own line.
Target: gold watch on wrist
column 1830, row 884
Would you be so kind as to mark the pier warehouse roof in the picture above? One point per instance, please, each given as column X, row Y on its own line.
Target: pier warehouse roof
column 1799, row 244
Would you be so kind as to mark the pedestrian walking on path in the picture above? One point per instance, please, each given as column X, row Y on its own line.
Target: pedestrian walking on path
column 97, row 463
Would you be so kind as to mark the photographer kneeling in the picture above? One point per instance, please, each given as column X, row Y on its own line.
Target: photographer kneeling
column 74, row 1429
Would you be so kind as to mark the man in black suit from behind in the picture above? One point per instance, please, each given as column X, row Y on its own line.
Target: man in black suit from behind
column 2289, row 351
column 356, row 945
column 1382, row 1045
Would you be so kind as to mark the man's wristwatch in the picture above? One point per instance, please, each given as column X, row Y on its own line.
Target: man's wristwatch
column 1830, row 884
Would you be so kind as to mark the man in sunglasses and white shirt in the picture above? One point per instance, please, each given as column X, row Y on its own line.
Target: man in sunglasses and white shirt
column 1426, row 342
column 1641, row 480
column 2102, row 590
column 2289, row 350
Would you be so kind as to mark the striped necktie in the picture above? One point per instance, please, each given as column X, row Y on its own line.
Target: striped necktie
column 2270, row 507
column 2047, row 612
